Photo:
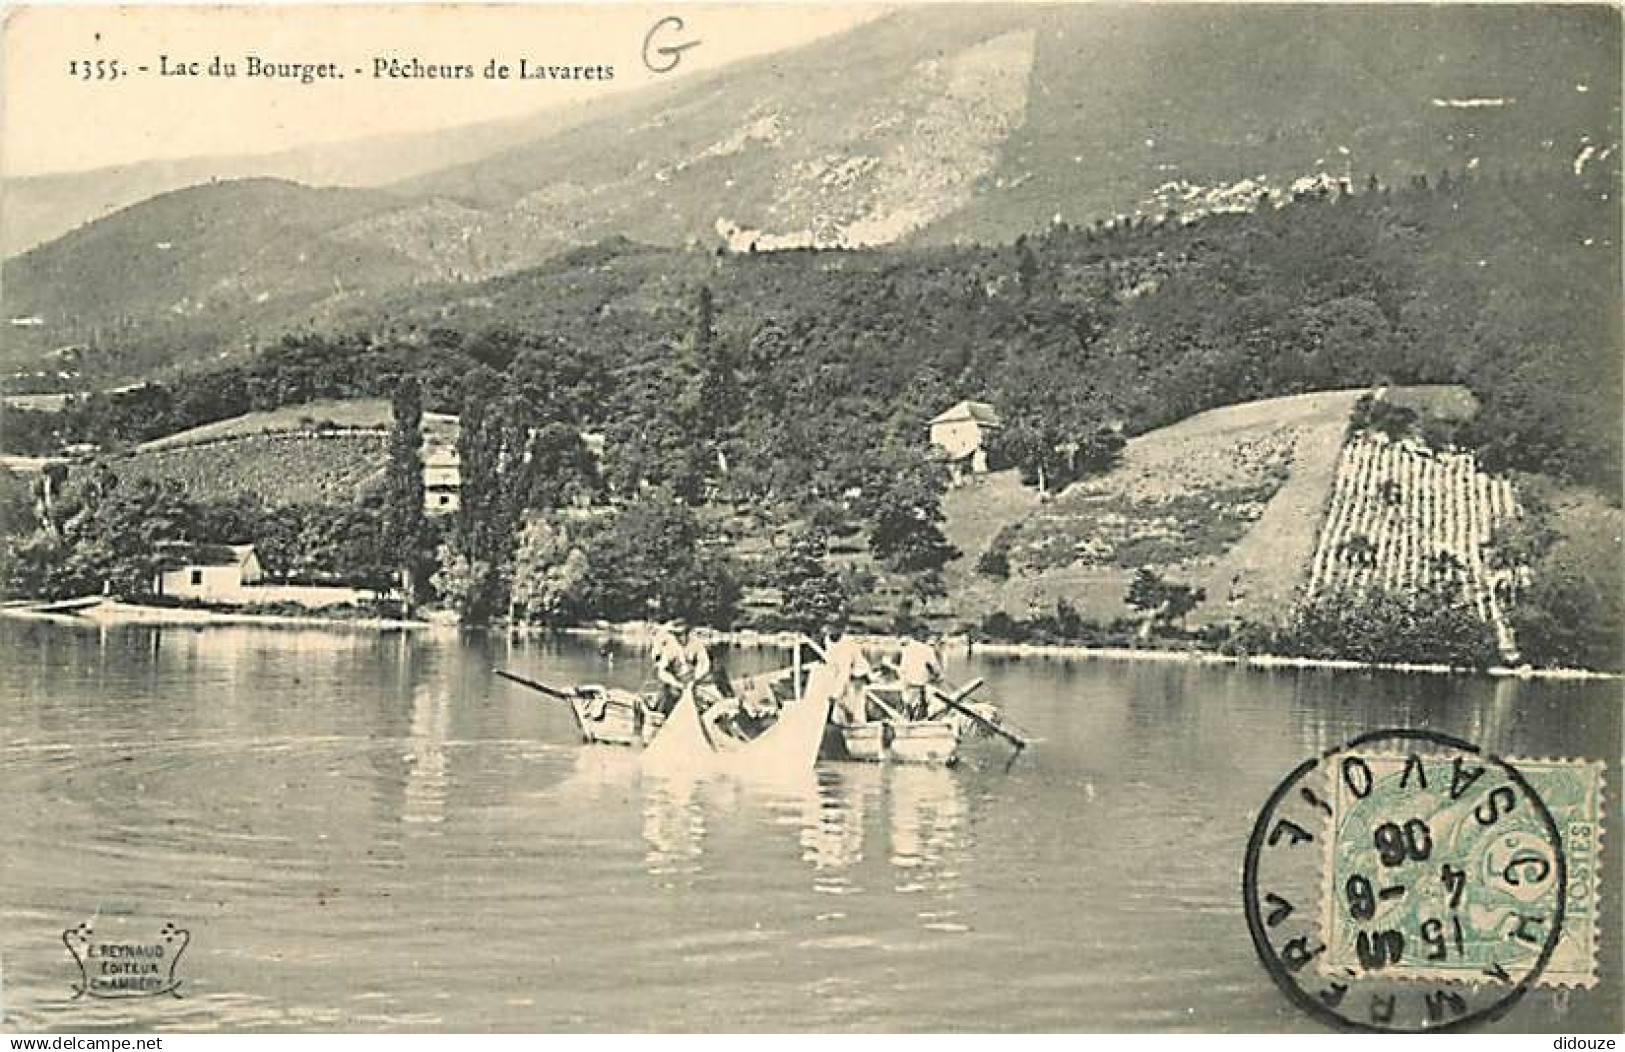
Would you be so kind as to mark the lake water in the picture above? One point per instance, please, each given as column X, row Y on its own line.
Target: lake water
column 370, row 831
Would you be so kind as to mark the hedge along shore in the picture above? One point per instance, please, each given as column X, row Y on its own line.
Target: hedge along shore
column 643, row 632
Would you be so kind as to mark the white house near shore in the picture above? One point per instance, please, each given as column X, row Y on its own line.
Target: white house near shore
column 964, row 432
column 210, row 572
column 232, row 574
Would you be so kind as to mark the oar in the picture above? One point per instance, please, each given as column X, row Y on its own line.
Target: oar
column 870, row 693
column 953, row 702
column 554, row 692
column 873, row 694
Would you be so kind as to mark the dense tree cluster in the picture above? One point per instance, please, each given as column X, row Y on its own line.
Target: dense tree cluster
column 1159, row 601
column 1570, row 611
column 812, row 596
column 102, row 532
column 1435, row 625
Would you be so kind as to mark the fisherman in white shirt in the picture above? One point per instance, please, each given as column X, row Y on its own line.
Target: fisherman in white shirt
column 849, row 667
column 681, row 663
column 919, row 667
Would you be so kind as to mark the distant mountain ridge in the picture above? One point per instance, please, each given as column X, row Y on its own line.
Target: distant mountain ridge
column 935, row 124
column 40, row 208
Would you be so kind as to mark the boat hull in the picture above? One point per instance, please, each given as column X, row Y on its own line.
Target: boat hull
column 934, row 742
column 924, row 742
column 613, row 717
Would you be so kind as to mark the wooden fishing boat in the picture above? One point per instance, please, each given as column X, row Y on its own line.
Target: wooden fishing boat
column 614, row 716
column 935, row 741
column 769, row 723
column 603, row 715
column 930, row 742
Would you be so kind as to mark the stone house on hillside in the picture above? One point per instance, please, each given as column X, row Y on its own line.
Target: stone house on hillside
column 964, row 433
column 442, row 474
column 442, row 480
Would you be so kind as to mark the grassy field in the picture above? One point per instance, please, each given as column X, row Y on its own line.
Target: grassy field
column 1230, row 495
column 982, row 506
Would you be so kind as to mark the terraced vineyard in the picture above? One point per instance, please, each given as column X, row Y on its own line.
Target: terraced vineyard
column 1403, row 517
column 289, row 468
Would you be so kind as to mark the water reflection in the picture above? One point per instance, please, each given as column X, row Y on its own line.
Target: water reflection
column 927, row 810
column 426, row 757
column 833, row 839
column 1492, row 725
column 915, row 818
column 321, row 807
column 673, row 825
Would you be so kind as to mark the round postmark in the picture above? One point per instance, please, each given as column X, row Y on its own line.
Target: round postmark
column 1403, row 882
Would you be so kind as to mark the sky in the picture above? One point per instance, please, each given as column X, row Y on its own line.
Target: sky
column 55, row 120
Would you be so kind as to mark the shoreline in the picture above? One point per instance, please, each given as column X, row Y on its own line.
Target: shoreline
column 641, row 631
column 116, row 612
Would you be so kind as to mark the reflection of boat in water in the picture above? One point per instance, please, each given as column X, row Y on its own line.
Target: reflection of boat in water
column 713, row 730
column 927, row 813
column 860, row 829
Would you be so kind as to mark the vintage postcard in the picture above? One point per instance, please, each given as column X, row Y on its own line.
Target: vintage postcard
column 891, row 518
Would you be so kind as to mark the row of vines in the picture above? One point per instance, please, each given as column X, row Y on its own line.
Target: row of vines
column 1404, row 518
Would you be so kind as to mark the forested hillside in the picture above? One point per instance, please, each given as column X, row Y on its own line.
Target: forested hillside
column 776, row 403
column 817, row 359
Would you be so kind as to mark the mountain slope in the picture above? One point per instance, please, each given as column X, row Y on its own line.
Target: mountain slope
column 935, row 124
column 986, row 122
column 200, row 266
column 39, row 208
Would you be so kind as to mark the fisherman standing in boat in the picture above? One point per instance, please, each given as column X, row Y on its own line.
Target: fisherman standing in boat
column 681, row 663
column 919, row 667
column 850, row 668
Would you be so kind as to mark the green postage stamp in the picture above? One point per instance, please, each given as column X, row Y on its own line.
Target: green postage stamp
column 1453, row 868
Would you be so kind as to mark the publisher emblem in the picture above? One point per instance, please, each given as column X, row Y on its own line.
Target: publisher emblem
column 114, row 970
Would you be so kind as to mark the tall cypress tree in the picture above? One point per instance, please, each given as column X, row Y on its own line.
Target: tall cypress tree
column 479, row 499
column 717, row 402
column 1026, row 267
column 495, row 466
column 406, row 529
